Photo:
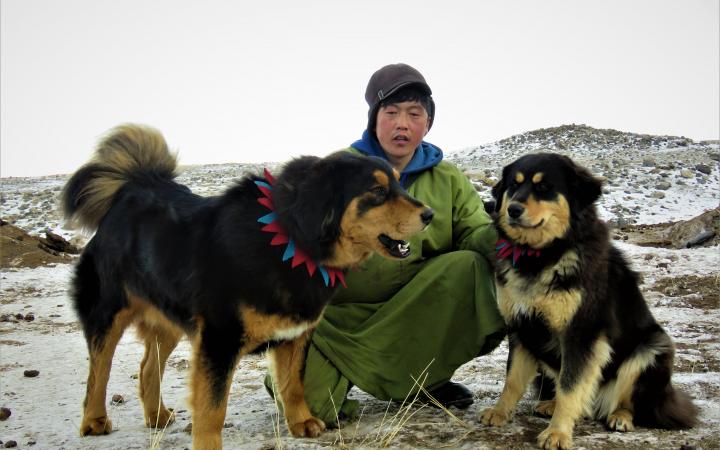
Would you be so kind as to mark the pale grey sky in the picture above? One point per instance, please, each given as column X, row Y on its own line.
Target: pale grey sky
column 234, row 81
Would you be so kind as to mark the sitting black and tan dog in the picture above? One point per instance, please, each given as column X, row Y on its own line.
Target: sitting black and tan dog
column 240, row 273
column 574, row 310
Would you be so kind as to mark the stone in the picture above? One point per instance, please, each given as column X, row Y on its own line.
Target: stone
column 704, row 168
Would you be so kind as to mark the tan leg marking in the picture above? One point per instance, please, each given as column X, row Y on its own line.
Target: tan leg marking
column 571, row 405
column 95, row 420
column 621, row 420
column 545, row 408
column 286, row 363
column 522, row 369
column 208, row 417
column 614, row 403
column 160, row 341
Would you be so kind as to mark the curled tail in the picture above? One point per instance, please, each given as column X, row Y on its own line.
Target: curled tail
column 127, row 152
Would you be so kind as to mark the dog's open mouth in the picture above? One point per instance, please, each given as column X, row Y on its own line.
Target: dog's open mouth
column 396, row 248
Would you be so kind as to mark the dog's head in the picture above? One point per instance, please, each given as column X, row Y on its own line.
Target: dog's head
column 538, row 196
column 344, row 207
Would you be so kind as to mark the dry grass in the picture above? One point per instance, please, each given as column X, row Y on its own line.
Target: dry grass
column 157, row 434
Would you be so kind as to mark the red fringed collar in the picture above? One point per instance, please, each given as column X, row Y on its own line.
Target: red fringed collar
column 298, row 255
column 506, row 249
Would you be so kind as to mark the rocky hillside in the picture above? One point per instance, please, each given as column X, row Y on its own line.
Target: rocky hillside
column 648, row 179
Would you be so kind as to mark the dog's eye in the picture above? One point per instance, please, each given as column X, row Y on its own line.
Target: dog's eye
column 380, row 191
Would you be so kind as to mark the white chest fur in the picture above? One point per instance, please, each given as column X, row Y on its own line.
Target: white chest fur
column 290, row 333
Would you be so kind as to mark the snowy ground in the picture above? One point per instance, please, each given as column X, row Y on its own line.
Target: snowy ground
column 681, row 286
column 46, row 409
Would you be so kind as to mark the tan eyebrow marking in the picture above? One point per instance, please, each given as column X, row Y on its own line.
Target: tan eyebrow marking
column 382, row 178
column 519, row 177
column 537, row 177
column 396, row 174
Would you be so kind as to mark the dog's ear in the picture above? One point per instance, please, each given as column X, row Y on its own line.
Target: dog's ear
column 586, row 188
column 499, row 189
column 308, row 207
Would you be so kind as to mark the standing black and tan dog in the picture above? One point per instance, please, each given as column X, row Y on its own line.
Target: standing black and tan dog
column 574, row 309
column 174, row 263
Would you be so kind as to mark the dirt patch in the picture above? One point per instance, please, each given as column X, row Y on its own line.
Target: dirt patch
column 698, row 291
column 20, row 249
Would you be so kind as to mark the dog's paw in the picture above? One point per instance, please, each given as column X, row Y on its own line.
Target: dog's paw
column 621, row 420
column 554, row 439
column 160, row 419
column 545, row 408
column 96, row 426
column 312, row 427
column 494, row 418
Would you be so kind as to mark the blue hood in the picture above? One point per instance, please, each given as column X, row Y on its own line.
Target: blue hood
column 426, row 155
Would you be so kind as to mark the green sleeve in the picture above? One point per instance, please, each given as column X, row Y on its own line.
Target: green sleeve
column 473, row 228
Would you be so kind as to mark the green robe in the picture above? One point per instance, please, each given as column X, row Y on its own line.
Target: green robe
column 435, row 309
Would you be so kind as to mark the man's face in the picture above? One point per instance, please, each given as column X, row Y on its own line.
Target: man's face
column 400, row 129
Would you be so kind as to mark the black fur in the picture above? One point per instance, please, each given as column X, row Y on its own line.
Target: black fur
column 193, row 255
column 200, row 260
column 611, row 304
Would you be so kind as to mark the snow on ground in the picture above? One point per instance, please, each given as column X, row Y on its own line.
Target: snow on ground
column 46, row 410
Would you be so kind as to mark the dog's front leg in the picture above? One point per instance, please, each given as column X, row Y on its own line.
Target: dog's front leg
column 522, row 368
column 215, row 353
column 580, row 372
column 288, row 360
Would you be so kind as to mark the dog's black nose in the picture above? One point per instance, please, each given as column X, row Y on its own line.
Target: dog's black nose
column 427, row 215
column 515, row 210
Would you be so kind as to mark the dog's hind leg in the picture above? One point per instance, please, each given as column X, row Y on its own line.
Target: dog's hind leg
column 102, row 349
column 545, row 385
column 160, row 341
column 658, row 404
column 522, row 368
column 614, row 400
column 288, row 361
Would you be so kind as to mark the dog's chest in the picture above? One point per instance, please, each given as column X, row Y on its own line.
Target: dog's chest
column 260, row 327
column 291, row 332
column 544, row 294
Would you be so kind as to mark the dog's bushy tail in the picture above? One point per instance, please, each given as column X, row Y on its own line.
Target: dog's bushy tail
column 127, row 152
column 671, row 410
column 659, row 404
